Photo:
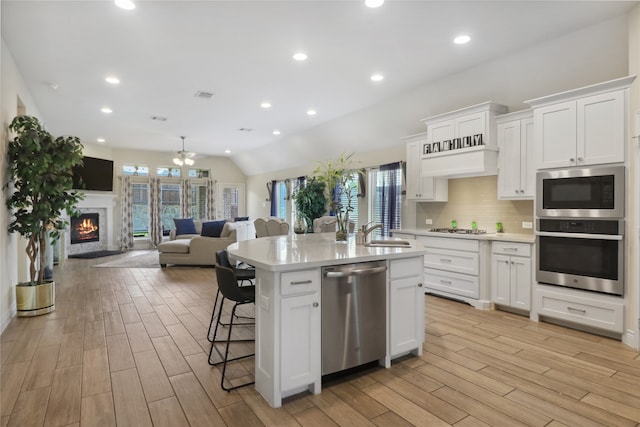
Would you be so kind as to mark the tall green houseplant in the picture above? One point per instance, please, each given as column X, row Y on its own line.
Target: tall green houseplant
column 310, row 201
column 41, row 173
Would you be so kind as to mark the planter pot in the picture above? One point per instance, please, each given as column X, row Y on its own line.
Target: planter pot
column 34, row 300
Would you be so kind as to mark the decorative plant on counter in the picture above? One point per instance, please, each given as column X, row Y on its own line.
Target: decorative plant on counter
column 41, row 172
column 310, row 201
column 338, row 177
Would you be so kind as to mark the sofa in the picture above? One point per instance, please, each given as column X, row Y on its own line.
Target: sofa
column 196, row 249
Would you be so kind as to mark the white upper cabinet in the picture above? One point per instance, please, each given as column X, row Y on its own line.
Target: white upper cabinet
column 422, row 188
column 516, row 170
column 582, row 127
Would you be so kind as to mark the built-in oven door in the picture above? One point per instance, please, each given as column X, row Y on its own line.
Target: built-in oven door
column 592, row 262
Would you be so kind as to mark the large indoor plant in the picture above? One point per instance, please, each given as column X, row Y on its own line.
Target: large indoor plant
column 340, row 189
column 310, row 201
column 41, row 179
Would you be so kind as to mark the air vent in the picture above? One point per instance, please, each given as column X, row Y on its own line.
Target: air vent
column 204, row 94
column 159, row 118
column 245, row 130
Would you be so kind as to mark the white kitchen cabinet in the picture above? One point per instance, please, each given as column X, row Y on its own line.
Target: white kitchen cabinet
column 586, row 126
column 406, row 307
column 457, row 158
column 511, row 274
column 418, row 187
column 516, row 169
column 301, row 330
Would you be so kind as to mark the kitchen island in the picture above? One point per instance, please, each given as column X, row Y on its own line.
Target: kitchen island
column 289, row 305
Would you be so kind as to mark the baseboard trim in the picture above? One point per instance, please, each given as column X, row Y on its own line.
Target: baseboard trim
column 7, row 317
column 629, row 338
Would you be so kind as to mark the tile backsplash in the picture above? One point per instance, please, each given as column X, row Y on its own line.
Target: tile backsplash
column 476, row 199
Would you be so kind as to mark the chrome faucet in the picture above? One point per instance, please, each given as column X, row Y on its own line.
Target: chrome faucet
column 368, row 231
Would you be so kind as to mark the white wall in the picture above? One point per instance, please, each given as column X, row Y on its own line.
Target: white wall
column 13, row 259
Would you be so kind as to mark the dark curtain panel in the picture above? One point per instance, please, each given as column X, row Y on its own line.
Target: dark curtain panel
column 362, row 186
column 274, row 198
column 301, row 181
column 390, row 197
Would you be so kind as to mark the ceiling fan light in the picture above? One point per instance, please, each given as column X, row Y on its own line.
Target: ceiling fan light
column 177, row 161
column 189, row 162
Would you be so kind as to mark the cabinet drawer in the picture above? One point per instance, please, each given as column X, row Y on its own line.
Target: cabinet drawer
column 588, row 311
column 300, row 282
column 509, row 248
column 406, row 267
column 455, row 244
column 458, row 284
column 456, row 261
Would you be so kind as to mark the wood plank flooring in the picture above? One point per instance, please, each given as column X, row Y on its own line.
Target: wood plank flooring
column 128, row 347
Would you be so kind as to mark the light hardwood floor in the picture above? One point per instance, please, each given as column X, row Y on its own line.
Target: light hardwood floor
column 127, row 347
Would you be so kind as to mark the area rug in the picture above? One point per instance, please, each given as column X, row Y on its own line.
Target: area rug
column 96, row 254
column 136, row 259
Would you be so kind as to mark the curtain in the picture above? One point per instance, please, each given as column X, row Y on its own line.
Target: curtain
column 274, row 198
column 390, row 189
column 126, row 201
column 185, row 203
column 155, row 216
column 362, row 186
column 211, row 199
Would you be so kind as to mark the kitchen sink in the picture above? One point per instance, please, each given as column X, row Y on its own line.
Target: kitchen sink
column 383, row 243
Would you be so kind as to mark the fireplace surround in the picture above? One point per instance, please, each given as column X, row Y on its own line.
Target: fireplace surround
column 102, row 205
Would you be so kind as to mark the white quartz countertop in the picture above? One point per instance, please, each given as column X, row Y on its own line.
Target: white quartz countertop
column 294, row 252
column 502, row 237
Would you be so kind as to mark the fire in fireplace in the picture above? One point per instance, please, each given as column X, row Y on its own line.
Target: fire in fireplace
column 85, row 228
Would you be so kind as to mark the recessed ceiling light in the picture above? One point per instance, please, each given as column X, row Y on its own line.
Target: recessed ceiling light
column 311, row 112
column 265, row 105
column 300, row 56
column 227, row 151
column 462, row 39
column 373, row 3
column 101, row 140
column 112, row 80
column 276, row 132
column 377, row 77
column 125, row 4
column 106, row 110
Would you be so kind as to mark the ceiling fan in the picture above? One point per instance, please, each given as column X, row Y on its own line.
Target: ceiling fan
column 184, row 157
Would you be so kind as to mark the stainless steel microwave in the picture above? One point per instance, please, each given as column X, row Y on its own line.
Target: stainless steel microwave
column 596, row 192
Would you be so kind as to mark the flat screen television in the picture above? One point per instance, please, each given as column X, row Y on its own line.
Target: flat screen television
column 94, row 175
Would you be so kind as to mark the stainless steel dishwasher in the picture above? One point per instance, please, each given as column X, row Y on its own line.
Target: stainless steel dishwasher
column 353, row 315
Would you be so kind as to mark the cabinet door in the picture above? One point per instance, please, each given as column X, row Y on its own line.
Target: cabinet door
column 300, row 341
column 414, row 180
column 555, row 135
column 601, row 132
column 527, row 164
column 406, row 317
column 520, row 282
column 501, row 279
column 438, row 132
column 509, row 182
column 470, row 125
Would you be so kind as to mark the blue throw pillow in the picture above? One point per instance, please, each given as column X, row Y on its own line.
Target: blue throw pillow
column 212, row 228
column 184, row 226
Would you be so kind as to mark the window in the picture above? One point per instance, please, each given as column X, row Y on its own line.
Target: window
column 199, row 201
column 135, row 170
column 140, row 209
column 168, row 172
column 353, row 185
column 229, row 200
column 385, row 201
column 281, row 199
column 198, row 173
column 169, row 206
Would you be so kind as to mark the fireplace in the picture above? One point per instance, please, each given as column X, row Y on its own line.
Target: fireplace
column 85, row 228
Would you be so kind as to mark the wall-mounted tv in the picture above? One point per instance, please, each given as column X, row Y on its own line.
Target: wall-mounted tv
column 94, row 175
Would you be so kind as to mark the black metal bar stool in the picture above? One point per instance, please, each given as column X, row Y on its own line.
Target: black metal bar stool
column 240, row 295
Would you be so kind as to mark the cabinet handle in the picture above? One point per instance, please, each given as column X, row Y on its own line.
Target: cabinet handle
column 445, row 260
column 315, row 304
column 445, row 282
column 301, row 282
column 577, row 310
column 511, row 249
column 419, row 285
column 579, row 159
column 571, row 159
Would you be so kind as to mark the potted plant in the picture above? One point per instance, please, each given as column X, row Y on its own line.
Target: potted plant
column 340, row 190
column 41, row 172
column 310, row 201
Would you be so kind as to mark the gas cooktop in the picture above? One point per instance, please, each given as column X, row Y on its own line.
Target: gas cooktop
column 458, row 230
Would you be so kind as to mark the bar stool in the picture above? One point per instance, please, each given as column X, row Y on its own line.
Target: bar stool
column 242, row 275
column 240, row 295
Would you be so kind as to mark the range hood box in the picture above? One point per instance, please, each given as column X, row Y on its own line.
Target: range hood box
column 462, row 163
